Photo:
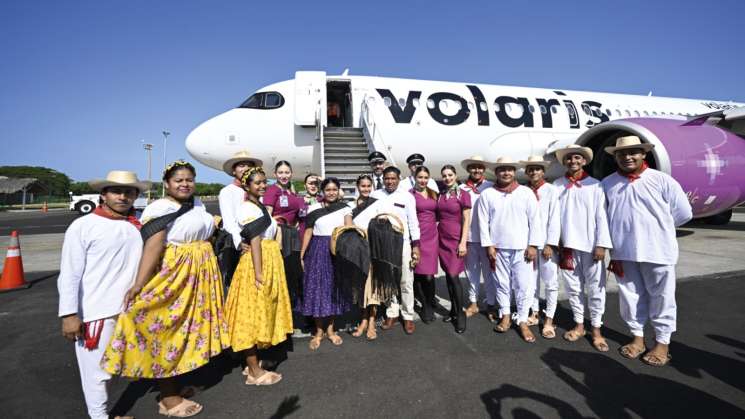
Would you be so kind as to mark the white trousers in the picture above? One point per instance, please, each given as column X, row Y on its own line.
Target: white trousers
column 514, row 274
column 93, row 378
column 586, row 285
column 477, row 266
column 547, row 273
column 647, row 292
column 407, row 289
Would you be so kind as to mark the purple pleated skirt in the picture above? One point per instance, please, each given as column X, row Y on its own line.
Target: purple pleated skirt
column 319, row 296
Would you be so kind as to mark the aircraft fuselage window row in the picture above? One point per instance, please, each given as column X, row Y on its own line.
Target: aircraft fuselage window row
column 264, row 100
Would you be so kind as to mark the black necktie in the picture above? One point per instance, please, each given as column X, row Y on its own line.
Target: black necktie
column 378, row 183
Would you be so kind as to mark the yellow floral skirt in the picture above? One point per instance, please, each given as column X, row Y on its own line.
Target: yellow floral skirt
column 259, row 316
column 176, row 323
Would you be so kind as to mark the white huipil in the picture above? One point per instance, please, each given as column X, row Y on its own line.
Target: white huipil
column 477, row 260
column 194, row 225
column 402, row 204
column 584, row 226
column 650, row 206
column 99, row 263
column 231, row 198
column 547, row 272
column 511, row 222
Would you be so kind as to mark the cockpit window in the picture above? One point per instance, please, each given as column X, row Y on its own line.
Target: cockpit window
column 264, row 100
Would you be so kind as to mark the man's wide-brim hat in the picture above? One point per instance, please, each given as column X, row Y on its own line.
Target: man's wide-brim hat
column 535, row 161
column 585, row 152
column 473, row 160
column 121, row 178
column 504, row 162
column 241, row 156
column 628, row 142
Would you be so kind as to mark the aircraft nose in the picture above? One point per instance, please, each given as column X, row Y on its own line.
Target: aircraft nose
column 200, row 144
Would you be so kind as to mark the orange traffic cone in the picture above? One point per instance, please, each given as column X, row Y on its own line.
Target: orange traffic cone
column 45, row 207
column 13, row 269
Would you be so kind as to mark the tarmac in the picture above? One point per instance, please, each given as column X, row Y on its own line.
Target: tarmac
column 435, row 373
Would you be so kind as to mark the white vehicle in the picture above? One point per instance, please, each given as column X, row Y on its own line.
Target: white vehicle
column 328, row 124
column 85, row 204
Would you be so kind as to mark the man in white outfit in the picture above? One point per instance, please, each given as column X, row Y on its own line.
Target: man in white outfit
column 401, row 203
column 511, row 229
column 644, row 203
column 100, row 256
column 477, row 260
column 548, row 268
column 584, row 240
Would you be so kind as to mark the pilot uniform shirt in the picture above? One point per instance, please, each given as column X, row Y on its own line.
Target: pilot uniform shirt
column 584, row 224
column 473, row 233
column 249, row 211
column 231, row 198
column 99, row 263
column 409, row 183
column 376, row 179
column 643, row 215
column 194, row 225
column 510, row 221
column 325, row 225
column 548, row 203
column 402, row 204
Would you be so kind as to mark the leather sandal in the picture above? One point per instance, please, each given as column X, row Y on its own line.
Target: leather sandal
column 656, row 361
column 548, row 332
column 573, row 335
column 315, row 342
column 266, row 379
column 186, row 409
column 630, row 351
column 600, row 344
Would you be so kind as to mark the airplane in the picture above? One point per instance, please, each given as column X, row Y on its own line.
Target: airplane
column 327, row 124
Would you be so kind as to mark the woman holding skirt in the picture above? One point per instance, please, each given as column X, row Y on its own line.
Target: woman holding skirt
column 173, row 321
column 426, row 269
column 320, row 297
column 454, row 213
column 258, row 307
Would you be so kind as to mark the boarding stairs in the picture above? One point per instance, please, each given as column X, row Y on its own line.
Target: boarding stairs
column 344, row 156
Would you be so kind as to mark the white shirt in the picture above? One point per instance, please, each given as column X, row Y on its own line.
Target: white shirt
column 584, row 224
column 197, row 224
column 643, row 214
column 473, row 234
column 98, row 265
column 248, row 211
column 231, row 197
column 325, row 225
column 510, row 221
column 408, row 183
column 375, row 180
column 403, row 205
column 548, row 202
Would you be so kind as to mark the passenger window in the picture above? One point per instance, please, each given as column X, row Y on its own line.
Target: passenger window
column 415, row 102
column 402, row 102
column 430, row 103
column 482, row 105
column 636, row 113
column 618, row 112
column 543, row 109
column 531, row 108
column 646, row 113
column 608, row 112
column 628, row 112
column 387, row 102
column 554, row 109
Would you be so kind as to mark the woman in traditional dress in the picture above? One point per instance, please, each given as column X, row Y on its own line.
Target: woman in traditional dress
column 258, row 308
column 173, row 322
column 320, row 297
column 426, row 269
column 454, row 214
column 362, row 212
column 287, row 208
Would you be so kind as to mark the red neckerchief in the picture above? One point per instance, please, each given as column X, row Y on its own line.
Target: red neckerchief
column 130, row 217
column 575, row 180
column 566, row 260
column 509, row 188
column 535, row 188
column 616, row 266
column 634, row 176
column 92, row 333
column 474, row 186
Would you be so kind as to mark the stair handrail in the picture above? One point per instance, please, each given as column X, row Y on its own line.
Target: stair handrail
column 319, row 131
column 371, row 130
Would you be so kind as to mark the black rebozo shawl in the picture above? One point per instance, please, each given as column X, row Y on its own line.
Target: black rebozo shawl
column 351, row 264
column 386, row 248
column 257, row 226
column 311, row 219
column 366, row 202
column 158, row 224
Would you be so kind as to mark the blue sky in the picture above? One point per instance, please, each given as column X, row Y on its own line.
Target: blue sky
column 82, row 83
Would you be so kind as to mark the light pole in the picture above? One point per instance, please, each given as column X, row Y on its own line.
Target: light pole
column 165, row 161
column 148, row 147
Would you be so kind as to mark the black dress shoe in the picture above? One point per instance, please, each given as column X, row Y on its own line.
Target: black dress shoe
column 460, row 323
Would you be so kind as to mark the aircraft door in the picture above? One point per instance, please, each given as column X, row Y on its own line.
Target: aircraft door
column 310, row 97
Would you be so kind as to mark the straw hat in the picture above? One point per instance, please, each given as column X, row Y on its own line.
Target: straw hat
column 535, row 161
column 586, row 152
column 630, row 141
column 504, row 161
column 473, row 160
column 338, row 231
column 238, row 157
column 120, row 178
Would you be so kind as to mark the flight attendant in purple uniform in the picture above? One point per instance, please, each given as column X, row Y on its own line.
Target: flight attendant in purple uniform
column 426, row 269
column 454, row 213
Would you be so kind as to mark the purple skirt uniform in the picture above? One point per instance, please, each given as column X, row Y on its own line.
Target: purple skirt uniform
column 320, row 298
column 426, row 213
column 450, row 213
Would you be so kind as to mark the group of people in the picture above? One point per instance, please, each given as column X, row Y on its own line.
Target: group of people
column 145, row 298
